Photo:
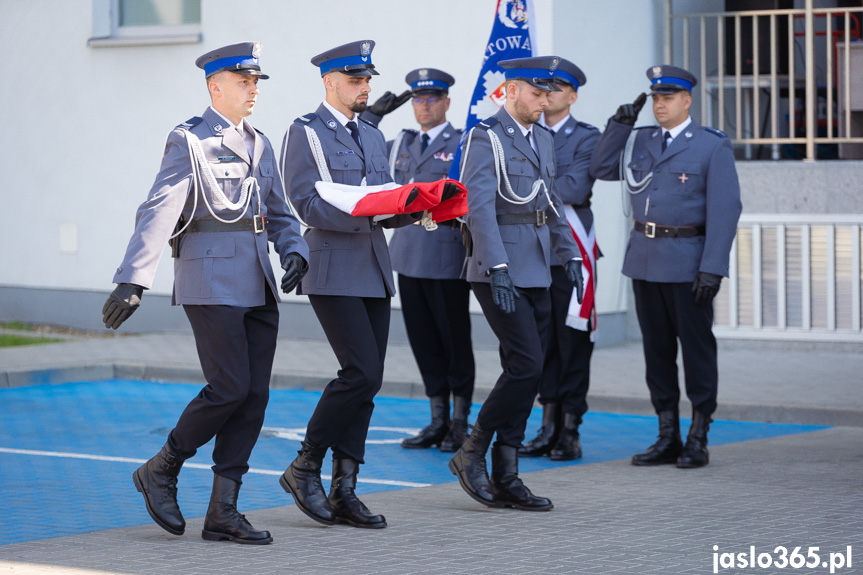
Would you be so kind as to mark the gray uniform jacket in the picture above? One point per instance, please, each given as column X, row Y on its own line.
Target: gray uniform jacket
column 213, row 268
column 525, row 247
column 415, row 251
column 348, row 254
column 573, row 147
column 694, row 184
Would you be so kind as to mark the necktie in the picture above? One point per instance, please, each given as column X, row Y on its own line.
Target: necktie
column 355, row 133
column 425, row 143
column 666, row 140
column 530, row 141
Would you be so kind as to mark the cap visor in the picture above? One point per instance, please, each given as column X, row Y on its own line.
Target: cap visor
column 666, row 88
column 429, row 92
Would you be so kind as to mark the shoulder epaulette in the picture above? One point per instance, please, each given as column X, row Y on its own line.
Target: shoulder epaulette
column 306, row 119
column 543, row 127
column 191, row 123
column 410, row 132
column 367, row 122
column 646, row 127
column 487, row 123
column 586, row 125
column 715, row 132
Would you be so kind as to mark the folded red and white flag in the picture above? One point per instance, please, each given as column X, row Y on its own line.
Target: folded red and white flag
column 579, row 313
column 390, row 199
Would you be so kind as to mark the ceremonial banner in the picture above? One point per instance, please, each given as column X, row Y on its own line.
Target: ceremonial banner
column 512, row 36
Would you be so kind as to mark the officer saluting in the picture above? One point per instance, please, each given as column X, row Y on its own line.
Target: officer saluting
column 516, row 222
column 349, row 284
column 218, row 178
column 429, row 262
column 685, row 199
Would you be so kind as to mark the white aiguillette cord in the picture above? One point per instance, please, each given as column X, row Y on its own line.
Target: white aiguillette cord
column 500, row 171
column 200, row 164
column 628, row 183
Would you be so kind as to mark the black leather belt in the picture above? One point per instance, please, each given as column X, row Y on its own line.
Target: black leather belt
column 534, row 218
column 652, row 230
column 257, row 224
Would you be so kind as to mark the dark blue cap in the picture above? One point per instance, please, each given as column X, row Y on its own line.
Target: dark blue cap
column 239, row 58
column 670, row 79
column 354, row 59
column 429, row 80
column 569, row 73
column 537, row 71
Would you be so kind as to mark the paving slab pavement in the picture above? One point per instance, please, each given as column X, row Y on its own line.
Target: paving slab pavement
column 801, row 490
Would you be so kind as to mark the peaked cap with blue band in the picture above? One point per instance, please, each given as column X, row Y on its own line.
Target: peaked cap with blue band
column 538, row 71
column 569, row 73
column 353, row 59
column 667, row 79
column 241, row 58
column 429, row 80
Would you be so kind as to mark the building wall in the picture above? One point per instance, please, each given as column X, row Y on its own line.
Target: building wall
column 86, row 126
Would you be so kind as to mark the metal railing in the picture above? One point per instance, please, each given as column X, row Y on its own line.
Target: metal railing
column 787, row 79
column 793, row 277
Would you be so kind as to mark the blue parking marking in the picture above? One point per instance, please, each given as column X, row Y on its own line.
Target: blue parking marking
column 67, row 452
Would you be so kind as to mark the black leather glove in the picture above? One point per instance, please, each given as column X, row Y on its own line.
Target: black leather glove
column 705, row 287
column 295, row 271
column 575, row 277
column 122, row 303
column 503, row 293
column 449, row 191
column 628, row 113
column 389, row 102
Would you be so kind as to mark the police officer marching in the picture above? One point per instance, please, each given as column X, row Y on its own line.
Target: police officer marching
column 566, row 373
column 685, row 200
column 435, row 300
column 517, row 227
column 218, row 180
column 349, row 284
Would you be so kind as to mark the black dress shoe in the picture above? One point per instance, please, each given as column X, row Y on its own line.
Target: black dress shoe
column 348, row 508
column 545, row 440
column 223, row 522
column 434, row 432
column 695, row 452
column 157, row 481
column 302, row 479
column 468, row 464
column 668, row 447
column 509, row 490
column 568, row 446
